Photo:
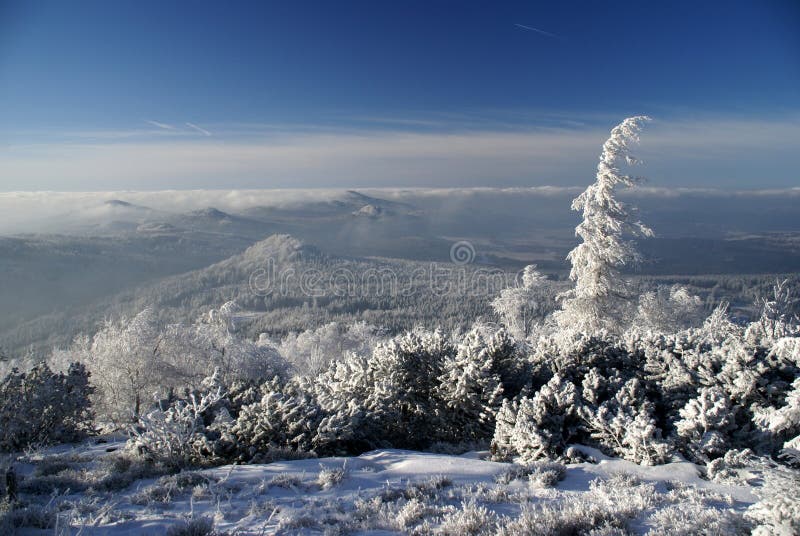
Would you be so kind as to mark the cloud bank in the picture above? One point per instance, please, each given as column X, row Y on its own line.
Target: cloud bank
column 724, row 154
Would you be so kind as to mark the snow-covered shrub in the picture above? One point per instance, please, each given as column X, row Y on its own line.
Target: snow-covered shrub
column 40, row 406
column 133, row 359
column 502, row 446
column 523, row 308
column 668, row 310
column 541, row 473
column 330, row 477
column 784, row 423
column 406, row 373
column 470, row 520
column 778, row 510
column 508, row 362
column 199, row 526
column 286, row 417
column 625, row 426
column 310, row 352
column 173, row 433
column 705, row 424
column 692, row 518
column 391, row 397
column 780, row 315
column 546, row 474
column 470, row 390
column 542, row 424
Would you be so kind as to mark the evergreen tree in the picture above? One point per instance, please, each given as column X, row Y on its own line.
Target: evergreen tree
column 601, row 298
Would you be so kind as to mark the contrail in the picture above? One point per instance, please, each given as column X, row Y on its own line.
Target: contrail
column 537, row 30
column 198, row 129
column 160, row 125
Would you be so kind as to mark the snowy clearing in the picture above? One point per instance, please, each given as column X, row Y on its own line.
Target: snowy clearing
column 381, row 492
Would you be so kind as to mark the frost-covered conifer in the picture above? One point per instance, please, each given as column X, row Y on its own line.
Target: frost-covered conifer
column 502, row 446
column 705, row 423
column 508, row 362
column 779, row 315
column 406, row 374
column 286, row 418
column 470, row 390
column 784, row 423
column 625, row 426
column 543, row 423
column 40, row 406
column 601, row 298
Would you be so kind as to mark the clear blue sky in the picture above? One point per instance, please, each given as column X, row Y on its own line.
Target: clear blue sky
column 156, row 76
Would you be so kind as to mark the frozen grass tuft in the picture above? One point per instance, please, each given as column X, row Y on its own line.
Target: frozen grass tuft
column 543, row 474
column 330, row 477
column 285, row 480
column 693, row 518
column 201, row 526
column 471, row 520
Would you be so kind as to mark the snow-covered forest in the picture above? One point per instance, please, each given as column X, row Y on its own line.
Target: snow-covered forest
column 594, row 406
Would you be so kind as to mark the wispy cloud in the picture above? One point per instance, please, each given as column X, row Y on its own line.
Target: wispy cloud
column 537, row 30
column 160, row 125
column 707, row 153
column 198, row 129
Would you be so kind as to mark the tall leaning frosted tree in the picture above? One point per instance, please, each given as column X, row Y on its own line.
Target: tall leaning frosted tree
column 601, row 298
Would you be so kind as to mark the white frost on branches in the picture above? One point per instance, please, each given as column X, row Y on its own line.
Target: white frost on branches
column 601, row 299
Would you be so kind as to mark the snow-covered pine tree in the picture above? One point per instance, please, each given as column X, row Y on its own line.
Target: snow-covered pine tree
column 784, row 423
column 705, row 424
column 470, row 390
column 285, row 419
column 601, row 298
column 40, row 406
column 502, row 447
column 544, row 423
column 625, row 426
column 508, row 362
column 406, row 372
column 779, row 315
column 346, row 393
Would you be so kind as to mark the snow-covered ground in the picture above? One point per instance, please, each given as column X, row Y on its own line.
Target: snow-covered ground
column 379, row 492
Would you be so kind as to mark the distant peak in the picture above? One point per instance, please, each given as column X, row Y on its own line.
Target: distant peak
column 370, row 211
column 118, row 203
column 211, row 212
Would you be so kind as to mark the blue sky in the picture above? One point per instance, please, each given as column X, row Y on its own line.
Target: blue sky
column 147, row 95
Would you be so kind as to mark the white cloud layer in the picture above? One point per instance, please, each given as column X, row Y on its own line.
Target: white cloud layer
column 698, row 154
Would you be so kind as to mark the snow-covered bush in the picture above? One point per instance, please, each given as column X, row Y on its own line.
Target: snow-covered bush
column 174, row 435
column 784, row 423
column 522, row 308
column 40, row 406
column 780, row 315
column 286, row 418
column 470, row 390
column 310, row 352
column 625, row 426
column 542, row 424
column 777, row 513
column 406, row 372
column 470, row 520
column 705, row 424
column 668, row 310
column 132, row 359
